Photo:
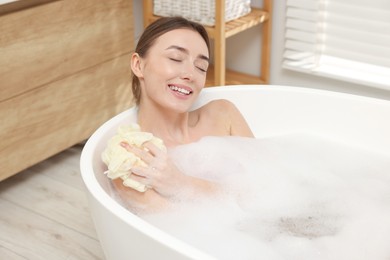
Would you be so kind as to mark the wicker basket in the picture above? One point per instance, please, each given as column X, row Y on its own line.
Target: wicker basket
column 201, row 11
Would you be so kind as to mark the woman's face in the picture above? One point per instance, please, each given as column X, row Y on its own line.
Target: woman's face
column 174, row 70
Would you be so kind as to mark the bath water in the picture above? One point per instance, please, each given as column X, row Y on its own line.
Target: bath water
column 284, row 197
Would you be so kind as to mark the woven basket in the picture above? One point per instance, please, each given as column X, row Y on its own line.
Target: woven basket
column 201, row 11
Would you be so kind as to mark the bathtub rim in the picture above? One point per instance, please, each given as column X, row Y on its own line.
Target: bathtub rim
column 296, row 89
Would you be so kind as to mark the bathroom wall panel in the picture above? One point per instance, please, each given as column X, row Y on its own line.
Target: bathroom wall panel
column 62, row 77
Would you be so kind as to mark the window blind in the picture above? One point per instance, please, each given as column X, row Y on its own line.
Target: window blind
column 343, row 39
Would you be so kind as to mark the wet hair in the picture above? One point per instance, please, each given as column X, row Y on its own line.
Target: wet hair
column 155, row 30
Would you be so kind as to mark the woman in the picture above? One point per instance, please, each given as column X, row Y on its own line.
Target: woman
column 169, row 69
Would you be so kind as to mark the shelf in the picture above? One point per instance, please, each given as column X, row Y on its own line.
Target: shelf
column 255, row 17
column 233, row 78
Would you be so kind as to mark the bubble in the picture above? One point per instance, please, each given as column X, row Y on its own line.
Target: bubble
column 286, row 197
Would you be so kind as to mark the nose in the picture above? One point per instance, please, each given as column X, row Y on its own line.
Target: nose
column 187, row 72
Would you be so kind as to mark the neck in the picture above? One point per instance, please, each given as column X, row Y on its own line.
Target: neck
column 171, row 127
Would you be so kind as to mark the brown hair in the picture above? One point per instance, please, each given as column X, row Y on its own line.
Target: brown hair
column 155, row 30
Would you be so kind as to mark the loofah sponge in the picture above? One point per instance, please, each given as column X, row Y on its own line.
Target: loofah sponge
column 120, row 161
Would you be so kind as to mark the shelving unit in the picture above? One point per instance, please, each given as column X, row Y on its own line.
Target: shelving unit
column 218, row 75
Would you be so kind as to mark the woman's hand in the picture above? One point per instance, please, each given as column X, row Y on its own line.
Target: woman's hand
column 161, row 174
column 164, row 177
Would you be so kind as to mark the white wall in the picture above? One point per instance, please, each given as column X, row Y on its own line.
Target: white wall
column 243, row 54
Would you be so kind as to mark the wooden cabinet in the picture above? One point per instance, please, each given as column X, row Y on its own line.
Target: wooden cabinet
column 218, row 74
column 64, row 70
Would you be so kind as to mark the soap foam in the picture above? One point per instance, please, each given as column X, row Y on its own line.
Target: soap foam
column 286, row 197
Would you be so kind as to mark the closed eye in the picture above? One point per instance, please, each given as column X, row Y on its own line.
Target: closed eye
column 177, row 60
column 202, row 69
column 201, row 65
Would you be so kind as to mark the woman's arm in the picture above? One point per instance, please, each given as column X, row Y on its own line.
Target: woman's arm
column 141, row 202
column 162, row 175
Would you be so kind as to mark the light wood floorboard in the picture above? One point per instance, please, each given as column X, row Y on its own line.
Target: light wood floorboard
column 44, row 212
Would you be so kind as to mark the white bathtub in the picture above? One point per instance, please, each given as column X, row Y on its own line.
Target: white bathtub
column 269, row 110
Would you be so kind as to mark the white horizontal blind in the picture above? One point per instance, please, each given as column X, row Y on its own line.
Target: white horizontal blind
column 343, row 39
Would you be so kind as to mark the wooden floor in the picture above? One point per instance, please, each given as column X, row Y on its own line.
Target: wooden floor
column 44, row 212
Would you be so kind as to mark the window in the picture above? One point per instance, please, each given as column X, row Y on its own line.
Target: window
column 342, row 39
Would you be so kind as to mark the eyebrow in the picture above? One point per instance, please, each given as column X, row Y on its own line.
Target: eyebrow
column 201, row 56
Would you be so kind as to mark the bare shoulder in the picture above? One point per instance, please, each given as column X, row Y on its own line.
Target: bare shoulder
column 228, row 115
column 219, row 105
column 218, row 109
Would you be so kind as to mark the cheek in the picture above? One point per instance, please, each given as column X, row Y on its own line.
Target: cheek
column 201, row 80
column 161, row 70
column 157, row 76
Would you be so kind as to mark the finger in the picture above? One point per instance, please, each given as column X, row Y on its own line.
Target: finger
column 149, row 172
column 140, row 176
column 126, row 146
column 153, row 149
column 139, row 152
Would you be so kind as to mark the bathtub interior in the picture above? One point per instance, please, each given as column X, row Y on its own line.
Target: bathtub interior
column 270, row 111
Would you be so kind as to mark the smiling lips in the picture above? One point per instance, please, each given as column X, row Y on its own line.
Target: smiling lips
column 180, row 90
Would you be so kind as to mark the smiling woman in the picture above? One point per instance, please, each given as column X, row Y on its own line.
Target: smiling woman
column 169, row 69
column 172, row 52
